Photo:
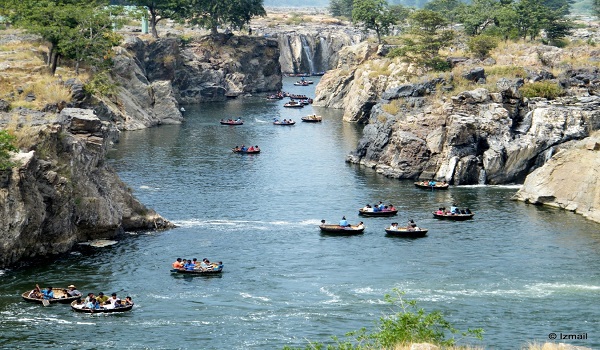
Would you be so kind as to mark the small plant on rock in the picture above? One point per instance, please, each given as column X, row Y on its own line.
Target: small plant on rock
column 7, row 145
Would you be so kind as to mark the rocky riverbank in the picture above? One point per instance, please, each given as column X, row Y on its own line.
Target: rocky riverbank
column 62, row 191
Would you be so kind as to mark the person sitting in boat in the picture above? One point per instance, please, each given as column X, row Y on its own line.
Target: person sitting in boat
column 243, row 148
column 381, row 206
column 79, row 304
column 47, row 293
column 412, row 226
column 73, row 292
column 432, row 183
column 368, row 208
column 344, row 222
column 394, row 226
column 440, row 211
column 360, row 225
column 468, row 211
column 391, row 207
column 36, row 293
column 454, row 209
column 128, row 301
column 177, row 263
column 236, row 149
column 93, row 304
column 256, row 148
column 219, row 265
column 189, row 266
column 102, row 299
column 113, row 301
column 205, row 264
column 251, row 149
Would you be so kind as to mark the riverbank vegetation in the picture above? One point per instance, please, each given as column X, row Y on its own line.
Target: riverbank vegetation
column 407, row 324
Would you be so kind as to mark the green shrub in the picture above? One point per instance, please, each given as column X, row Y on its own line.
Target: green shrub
column 409, row 325
column 101, row 84
column 481, row 45
column 545, row 89
column 7, row 145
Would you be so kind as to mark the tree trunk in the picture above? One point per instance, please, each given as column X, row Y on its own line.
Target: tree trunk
column 213, row 30
column 153, row 25
column 50, row 53
column 55, row 58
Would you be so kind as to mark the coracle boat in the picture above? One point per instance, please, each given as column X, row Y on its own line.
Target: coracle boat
column 232, row 122
column 454, row 217
column 312, row 118
column 426, row 185
column 200, row 272
column 293, row 104
column 254, row 151
column 341, row 230
column 406, row 232
column 101, row 310
column 381, row 213
column 284, row 122
column 60, row 296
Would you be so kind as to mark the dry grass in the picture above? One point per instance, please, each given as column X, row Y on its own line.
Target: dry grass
column 23, row 71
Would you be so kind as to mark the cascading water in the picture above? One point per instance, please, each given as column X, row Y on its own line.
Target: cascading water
column 308, row 53
column 482, row 177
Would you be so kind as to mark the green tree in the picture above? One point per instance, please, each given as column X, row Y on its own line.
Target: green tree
column 478, row 16
column 212, row 14
column 158, row 10
column 481, row 45
column 341, row 8
column 373, row 14
column 57, row 22
column 596, row 8
column 7, row 146
column 425, row 36
column 447, row 8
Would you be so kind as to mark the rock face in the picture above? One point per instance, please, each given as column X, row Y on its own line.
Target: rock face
column 62, row 192
column 312, row 49
column 155, row 76
column 476, row 137
column 362, row 75
column 569, row 180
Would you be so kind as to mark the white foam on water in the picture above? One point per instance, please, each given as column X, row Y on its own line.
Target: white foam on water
column 250, row 296
column 242, row 224
column 144, row 187
column 334, row 298
column 510, row 187
column 85, row 323
column 260, row 121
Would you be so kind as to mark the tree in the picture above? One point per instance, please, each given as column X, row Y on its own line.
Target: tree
column 596, row 7
column 373, row 14
column 478, row 16
column 211, row 14
column 424, row 39
column 448, row 8
column 341, row 8
column 161, row 9
column 53, row 20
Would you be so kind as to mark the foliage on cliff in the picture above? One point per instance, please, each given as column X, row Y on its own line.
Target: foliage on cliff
column 7, row 145
column 409, row 324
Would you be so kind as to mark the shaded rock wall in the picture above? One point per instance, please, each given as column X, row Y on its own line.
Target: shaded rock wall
column 569, row 180
column 154, row 76
column 62, row 192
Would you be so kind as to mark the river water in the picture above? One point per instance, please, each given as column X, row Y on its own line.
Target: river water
column 518, row 271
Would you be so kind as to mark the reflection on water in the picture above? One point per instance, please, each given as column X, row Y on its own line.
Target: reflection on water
column 516, row 270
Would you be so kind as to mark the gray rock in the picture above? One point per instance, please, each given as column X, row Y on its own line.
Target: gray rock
column 475, row 74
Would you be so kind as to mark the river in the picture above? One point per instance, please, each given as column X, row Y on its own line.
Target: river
column 518, row 271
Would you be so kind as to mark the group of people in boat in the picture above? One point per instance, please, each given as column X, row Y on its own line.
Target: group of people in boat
column 103, row 302
column 454, row 210
column 433, row 183
column 195, row 265
column 246, row 149
column 48, row 293
column 379, row 207
column 238, row 120
column 344, row 223
column 411, row 226
column 285, row 121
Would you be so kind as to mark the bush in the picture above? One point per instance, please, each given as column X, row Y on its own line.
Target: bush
column 481, row 45
column 101, row 84
column 7, row 145
column 545, row 89
column 409, row 325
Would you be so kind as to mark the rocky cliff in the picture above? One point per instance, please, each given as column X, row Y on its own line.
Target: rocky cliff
column 154, row 77
column 490, row 134
column 62, row 192
column 569, row 180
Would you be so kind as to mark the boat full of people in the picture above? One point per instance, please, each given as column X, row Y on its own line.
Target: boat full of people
column 313, row 118
column 343, row 228
column 432, row 185
column 50, row 295
column 410, row 231
column 237, row 121
column 454, row 214
column 195, row 267
column 283, row 122
column 102, row 304
column 246, row 150
column 378, row 210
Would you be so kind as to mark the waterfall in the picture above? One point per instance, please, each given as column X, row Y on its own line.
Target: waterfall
column 482, row 177
column 325, row 54
column 308, row 53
